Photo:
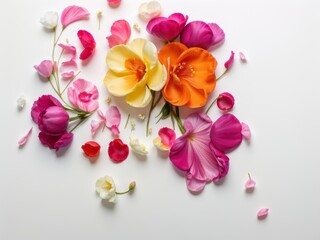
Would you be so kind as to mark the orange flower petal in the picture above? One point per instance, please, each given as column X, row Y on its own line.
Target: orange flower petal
column 176, row 94
column 198, row 97
column 171, row 51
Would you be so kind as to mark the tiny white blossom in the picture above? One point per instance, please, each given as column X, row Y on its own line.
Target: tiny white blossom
column 106, row 189
column 21, row 102
column 149, row 10
column 138, row 147
column 49, row 20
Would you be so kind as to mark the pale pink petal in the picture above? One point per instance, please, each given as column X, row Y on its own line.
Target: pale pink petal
column 250, row 184
column 245, row 131
column 44, row 68
column 95, row 126
column 69, row 49
column 113, row 116
column 228, row 64
column 242, row 57
column 67, row 75
column 226, row 133
column 102, row 116
column 67, row 68
column 167, row 135
column 262, row 213
column 25, row 138
column 72, row 14
column 120, row 33
column 193, row 184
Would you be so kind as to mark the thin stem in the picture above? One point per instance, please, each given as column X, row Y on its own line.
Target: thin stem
column 157, row 101
column 249, row 176
column 225, row 71
column 214, row 100
column 70, row 82
column 149, row 114
column 180, row 125
column 172, row 120
column 127, row 121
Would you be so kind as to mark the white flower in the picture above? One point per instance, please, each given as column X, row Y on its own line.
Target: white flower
column 21, row 102
column 49, row 20
column 149, row 10
column 138, row 147
column 106, row 189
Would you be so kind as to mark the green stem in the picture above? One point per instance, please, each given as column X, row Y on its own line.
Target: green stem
column 70, row 82
column 225, row 71
column 214, row 100
column 127, row 121
column 179, row 122
column 149, row 114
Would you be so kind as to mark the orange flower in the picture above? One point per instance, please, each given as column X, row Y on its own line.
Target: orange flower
column 190, row 74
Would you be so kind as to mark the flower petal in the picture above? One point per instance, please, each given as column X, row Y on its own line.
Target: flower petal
column 95, row 126
column 228, row 64
column 86, row 39
column 120, row 33
column 223, row 163
column 167, row 135
column 69, row 49
column 193, row 184
column 118, row 151
column 179, row 153
column 113, row 116
column 262, row 213
column 72, row 14
column 242, row 57
column 138, row 147
column 91, row 149
column 225, row 101
column 157, row 77
column 245, row 131
column 25, row 138
column 44, row 68
column 197, row 34
column 218, row 34
column 226, row 133
column 49, row 20
column 149, row 10
column 140, row 97
column 120, row 84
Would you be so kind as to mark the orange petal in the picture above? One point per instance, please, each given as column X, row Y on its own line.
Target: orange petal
column 176, row 94
column 203, row 65
column 171, row 51
column 198, row 97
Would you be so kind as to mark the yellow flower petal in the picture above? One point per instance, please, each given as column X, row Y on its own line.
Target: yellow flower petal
column 146, row 50
column 120, row 84
column 140, row 97
column 157, row 77
column 117, row 57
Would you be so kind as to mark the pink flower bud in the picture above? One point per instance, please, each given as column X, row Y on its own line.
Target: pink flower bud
column 44, row 68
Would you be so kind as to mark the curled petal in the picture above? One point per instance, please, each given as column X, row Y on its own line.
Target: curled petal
column 245, row 131
column 242, row 57
column 138, row 147
column 120, row 33
column 226, row 133
column 114, row 3
column 118, row 151
column 250, row 184
column 87, row 42
column 72, row 14
column 149, row 10
column 262, row 213
column 113, row 117
column 167, row 135
column 44, row 68
column 25, row 138
column 223, row 163
column 225, row 101
column 228, row 64
column 69, row 49
column 95, row 126
column 91, row 149
column 218, row 34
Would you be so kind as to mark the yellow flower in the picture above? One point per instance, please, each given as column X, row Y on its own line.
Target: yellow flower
column 134, row 70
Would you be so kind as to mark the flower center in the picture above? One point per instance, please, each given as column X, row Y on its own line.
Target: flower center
column 136, row 66
column 182, row 70
column 108, row 185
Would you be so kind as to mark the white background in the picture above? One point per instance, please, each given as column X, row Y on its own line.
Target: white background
column 47, row 196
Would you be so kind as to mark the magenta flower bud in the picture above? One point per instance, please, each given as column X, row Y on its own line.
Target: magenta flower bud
column 44, row 68
column 54, row 120
column 201, row 34
column 225, row 101
column 167, row 29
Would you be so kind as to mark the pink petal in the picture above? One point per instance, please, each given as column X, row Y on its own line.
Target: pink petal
column 86, row 39
column 228, row 64
column 114, row 3
column 95, row 126
column 197, row 34
column 167, row 135
column 225, row 101
column 250, row 184
column 69, row 49
column 223, row 163
column 44, row 68
column 226, row 133
column 262, row 213
column 113, row 116
column 193, row 184
column 242, row 57
column 179, row 153
column 102, row 116
column 86, row 53
column 67, row 75
column 245, row 131
column 120, row 33
column 25, row 138
column 72, row 14
column 218, row 34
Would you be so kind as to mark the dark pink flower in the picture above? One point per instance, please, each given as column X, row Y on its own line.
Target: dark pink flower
column 201, row 34
column 83, row 95
column 120, row 33
column 167, row 29
column 87, row 42
column 118, row 151
column 54, row 120
column 225, row 101
column 44, row 68
column 228, row 64
column 226, row 133
column 41, row 105
column 72, row 14
column 191, row 152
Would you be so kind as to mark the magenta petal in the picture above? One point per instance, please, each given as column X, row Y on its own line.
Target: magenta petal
column 72, row 14
column 228, row 64
column 218, row 34
column 193, row 184
column 113, row 117
column 225, row 101
column 179, row 153
column 226, row 133
column 245, row 131
column 197, row 34
column 64, row 141
column 86, row 39
column 25, row 138
column 86, row 53
column 44, row 68
column 167, row 135
column 223, row 163
column 40, row 105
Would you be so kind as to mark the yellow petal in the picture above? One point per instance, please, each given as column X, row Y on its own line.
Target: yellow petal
column 157, row 77
column 120, row 84
column 140, row 97
column 117, row 57
column 146, row 50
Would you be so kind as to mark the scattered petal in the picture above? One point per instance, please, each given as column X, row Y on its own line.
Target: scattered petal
column 69, row 49
column 95, row 126
column 44, row 68
column 114, row 3
column 49, row 20
column 21, row 102
column 225, row 101
column 242, row 57
column 91, row 149
column 72, row 14
column 262, row 213
column 228, row 64
column 87, row 42
column 113, row 119
column 118, row 151
column 120, row 33
column 138, row 147
column 106, row 189
column 245, row 131
column 149, row 10
column 250, row 183
column 25, row 138
column 166, row 138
